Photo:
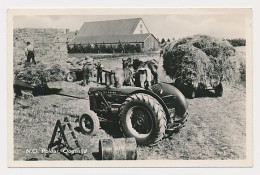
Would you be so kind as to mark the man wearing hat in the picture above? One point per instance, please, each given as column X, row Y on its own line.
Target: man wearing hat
column 29, row 52
column 99, row 68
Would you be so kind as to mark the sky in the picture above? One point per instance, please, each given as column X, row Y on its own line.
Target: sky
column 162, row 26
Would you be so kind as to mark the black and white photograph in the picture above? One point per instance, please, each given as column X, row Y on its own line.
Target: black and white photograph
column 123, row 87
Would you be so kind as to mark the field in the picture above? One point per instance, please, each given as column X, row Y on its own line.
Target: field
column 216, row 128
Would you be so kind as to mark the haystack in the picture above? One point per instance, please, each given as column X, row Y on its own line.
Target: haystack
column 207, row 56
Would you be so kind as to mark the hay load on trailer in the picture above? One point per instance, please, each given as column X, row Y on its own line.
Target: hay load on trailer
column 200, row 62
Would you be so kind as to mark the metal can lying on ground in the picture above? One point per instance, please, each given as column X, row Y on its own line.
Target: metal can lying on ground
column 118, row 149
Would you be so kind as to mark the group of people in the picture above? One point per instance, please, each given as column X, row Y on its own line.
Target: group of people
column 142, row 70
column 134, row 72
column 87, row 70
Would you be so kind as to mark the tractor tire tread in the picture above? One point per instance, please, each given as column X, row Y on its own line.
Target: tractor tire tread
column 157, row 109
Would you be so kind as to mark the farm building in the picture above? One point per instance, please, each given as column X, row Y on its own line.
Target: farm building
column 112, row 32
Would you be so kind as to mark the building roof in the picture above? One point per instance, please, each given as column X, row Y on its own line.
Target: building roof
column 111, row 27
column 110, row 39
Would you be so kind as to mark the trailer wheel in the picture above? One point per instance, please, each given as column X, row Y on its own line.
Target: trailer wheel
column 89, row 123
column 71, row 77
column 219, row 90
column 192, row 94
column 143, row 117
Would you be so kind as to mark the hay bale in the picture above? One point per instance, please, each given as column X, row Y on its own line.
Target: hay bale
column 207, row 56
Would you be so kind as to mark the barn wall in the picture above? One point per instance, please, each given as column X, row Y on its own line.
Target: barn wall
column 151, row 43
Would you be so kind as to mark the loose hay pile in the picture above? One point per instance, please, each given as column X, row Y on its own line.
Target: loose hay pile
column 207, row 56
column 40, row 73
column 45, row 71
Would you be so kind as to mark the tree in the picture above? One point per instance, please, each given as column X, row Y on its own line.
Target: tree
column 138, row 48
column 110, row 49
column 88, row 48
column 127, row 47
column 96, row 48
column 168, row 40
column 163, row 41
column 75, row 49
column 237, row 42
column 81, row 48
column 103, row 48
column 119, row 48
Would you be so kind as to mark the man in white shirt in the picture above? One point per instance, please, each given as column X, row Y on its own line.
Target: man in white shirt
column 29, row 52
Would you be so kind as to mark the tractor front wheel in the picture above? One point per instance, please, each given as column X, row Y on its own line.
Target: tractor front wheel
column 143, row 117
column 89, row 123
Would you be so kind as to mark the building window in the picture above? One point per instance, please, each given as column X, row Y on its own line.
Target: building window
column 141, row 31
column 141, row 25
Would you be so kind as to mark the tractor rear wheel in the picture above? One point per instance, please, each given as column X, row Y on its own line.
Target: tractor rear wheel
column 143, row 117
column 89, row 123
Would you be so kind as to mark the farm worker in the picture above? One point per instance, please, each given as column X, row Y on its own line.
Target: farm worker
column 87, row 70
column 29, row 52
column 99, row 71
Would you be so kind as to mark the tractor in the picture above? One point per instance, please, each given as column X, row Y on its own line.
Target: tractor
column 147, row 115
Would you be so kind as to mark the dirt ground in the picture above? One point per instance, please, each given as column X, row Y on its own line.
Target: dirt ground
column 216, row 128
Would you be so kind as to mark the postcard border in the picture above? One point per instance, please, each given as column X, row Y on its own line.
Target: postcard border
column 248, row 162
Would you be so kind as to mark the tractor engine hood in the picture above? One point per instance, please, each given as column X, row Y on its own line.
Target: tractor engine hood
column 124, row 90
column 172, row 97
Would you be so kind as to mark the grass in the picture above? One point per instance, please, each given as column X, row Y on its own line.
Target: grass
column 216, row 128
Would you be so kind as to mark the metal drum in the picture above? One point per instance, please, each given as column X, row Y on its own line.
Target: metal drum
column 112, row 78
column 118, row 149
column 107, row 79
